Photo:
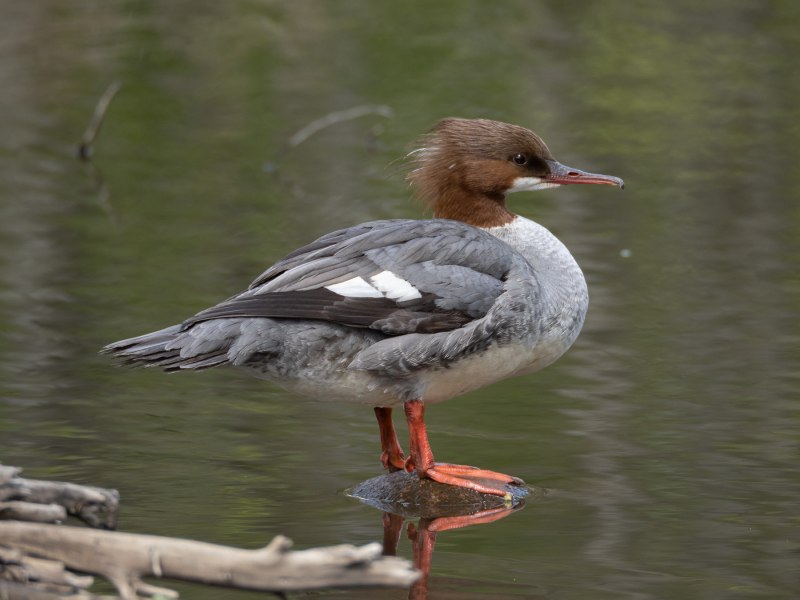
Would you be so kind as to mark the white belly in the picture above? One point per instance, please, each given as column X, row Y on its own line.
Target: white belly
column 479, row 370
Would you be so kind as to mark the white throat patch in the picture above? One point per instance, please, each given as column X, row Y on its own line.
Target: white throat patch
column 531, row 184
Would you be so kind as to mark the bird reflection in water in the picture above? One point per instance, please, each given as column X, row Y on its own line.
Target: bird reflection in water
column 402, row 496
column 423, row 538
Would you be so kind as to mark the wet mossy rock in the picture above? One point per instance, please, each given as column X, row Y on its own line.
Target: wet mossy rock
column 407, row 495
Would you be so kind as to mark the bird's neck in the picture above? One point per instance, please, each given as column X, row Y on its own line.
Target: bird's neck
column 474, row 208
column 557, row 272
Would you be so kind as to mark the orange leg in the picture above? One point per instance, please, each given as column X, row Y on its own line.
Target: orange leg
column 392, row 455
column 421, row 460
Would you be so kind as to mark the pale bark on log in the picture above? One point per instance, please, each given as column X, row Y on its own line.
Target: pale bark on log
column 124, row 558
column 95, row 506
column 7, row 473
column 28, row 511
column 11, row 590
column 50, row 578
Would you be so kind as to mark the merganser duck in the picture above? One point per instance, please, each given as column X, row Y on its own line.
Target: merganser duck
column 407, row 312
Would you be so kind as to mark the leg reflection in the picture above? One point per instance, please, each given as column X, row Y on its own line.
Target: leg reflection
column 423, row 538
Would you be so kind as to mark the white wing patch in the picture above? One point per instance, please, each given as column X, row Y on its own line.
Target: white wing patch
column 384, row 285
column 354, row 288
column 394, row 287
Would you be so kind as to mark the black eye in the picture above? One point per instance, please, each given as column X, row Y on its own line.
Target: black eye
column 519, row 159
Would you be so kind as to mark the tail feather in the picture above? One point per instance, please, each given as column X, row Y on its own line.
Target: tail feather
column 165, row 349
column 205, row 361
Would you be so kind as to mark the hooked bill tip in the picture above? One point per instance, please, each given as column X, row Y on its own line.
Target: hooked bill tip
column 563, row 174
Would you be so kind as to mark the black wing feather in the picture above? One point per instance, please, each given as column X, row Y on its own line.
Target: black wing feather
column 386, row 315
column 457, row 269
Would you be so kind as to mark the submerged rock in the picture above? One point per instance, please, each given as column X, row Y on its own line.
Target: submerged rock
column 405, row 494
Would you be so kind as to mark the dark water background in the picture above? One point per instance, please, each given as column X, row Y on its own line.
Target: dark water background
column 668, row 437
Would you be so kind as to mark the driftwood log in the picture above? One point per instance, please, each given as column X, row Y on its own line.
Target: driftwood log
column 125, row 558
column 39, row 561
column 52, row 501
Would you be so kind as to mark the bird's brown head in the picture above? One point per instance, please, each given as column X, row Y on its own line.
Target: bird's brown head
column 463, row 168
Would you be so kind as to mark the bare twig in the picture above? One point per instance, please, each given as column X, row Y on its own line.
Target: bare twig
column 85, row 147
column 338, row 117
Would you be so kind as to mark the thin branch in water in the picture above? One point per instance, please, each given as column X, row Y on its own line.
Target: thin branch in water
column 332, row 118
column 85, row 147
column 103, row 193
column 339, row 116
